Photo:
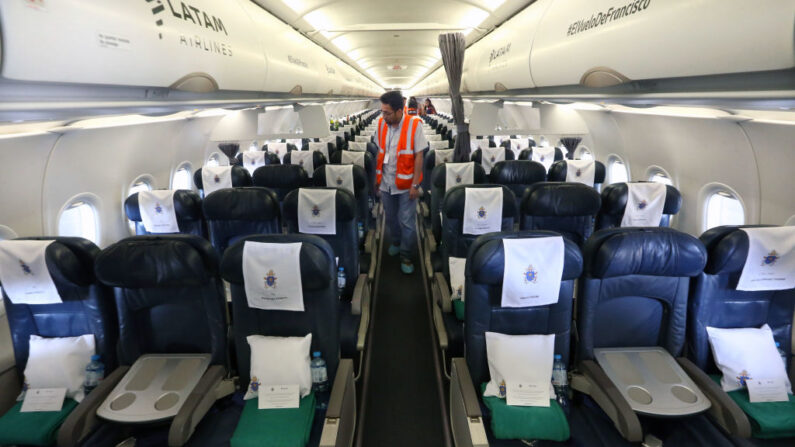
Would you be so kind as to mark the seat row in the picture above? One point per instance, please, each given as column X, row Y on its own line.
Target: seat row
column 153, row 309
column 664, row 333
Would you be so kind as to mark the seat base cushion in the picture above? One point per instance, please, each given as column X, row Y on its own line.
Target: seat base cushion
column 37, row 428
column 769, row 420
column 289, row 427
column 510, row 422
column 458, row 308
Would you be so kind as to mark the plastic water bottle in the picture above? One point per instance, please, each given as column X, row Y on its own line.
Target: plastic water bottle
column 95, row 372
column 560, row 382
column 782, row 354
column 341, row 280
column 360, row 227
column 319, row 373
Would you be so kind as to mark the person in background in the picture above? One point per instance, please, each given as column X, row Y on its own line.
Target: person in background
column 412, row 110
column 398, row 173
column 429, row 108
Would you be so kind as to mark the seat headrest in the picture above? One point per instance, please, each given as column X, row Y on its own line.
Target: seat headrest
column 455, row 200
column 557, row 172
column 250, row 203
column 614, row 199
column 345, row 204
column 655, row 251
column 520, row 172
column 527, row 154
column 315, row 257
column 70, row 260
column 560, row 199
column 439, row 175
column 727, row 248
column 177, row 260
column 487, row 257
column 359, row 177
column 187, row 206
column 280, row 176
column 240, row 177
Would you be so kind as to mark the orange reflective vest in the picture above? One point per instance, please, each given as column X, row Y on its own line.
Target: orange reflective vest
column 405, row 152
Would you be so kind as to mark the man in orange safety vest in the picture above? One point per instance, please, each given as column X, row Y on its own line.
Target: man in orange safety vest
column 401, row 142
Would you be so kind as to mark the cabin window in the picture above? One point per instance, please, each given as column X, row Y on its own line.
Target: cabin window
column 658, row 175
column 617, row 171
column 585, row 153
column 214, row 159
column 79, row 218
column 183, row 178
column 7, row 233
column 253, row 146
column 723, row 207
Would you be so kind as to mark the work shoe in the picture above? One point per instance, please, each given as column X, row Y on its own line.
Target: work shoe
column 393, row 250
column 406, row 267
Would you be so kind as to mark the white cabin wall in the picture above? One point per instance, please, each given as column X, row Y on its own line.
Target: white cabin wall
column 773, row 148
column 23, row 161
column 104, row 161
column 696, row 152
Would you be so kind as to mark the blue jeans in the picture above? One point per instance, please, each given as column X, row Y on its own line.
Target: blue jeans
column 400, row 213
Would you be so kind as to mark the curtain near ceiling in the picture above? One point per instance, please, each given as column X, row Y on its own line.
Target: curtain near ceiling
column 452, row 46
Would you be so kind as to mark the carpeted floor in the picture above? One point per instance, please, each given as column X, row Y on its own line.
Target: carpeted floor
column 402, row 401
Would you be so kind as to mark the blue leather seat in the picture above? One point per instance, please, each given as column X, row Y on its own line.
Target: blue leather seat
column 428, row 163
column 484, row 277
column 270, row 158
column 614, row 201
column 320, row 318
column 634, row 293
column 567, row 208
column 361, row 192
column 281, row 179
column 187, row 206
column 517, row 175
column 236, row 212
column 477, row 154
column 557, row 172
column 170, row 300
column 86, row 306
column 240, row 177
column 715, row 302
column 438, row 187
column 456, row 243
column 318, row 159
column 345, row 247
column 527, row 154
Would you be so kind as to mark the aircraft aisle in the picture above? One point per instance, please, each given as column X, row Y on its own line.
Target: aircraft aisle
column 402, row 401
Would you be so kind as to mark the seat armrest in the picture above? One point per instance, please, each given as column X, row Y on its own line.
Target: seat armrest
column 596, row 384
column 466, row 420
column 196, row 406
column 724, row 410
column 340, row 422
column 444, row 292
column 358, row 293
column 431, row 240
column 82, row 420
column 369, row 242
column 362, row 294
column 441, row 331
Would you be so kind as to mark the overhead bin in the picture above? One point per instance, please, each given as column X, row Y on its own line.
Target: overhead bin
column 598, row 43
column 501, row 60
column 606, row 42
column 194, row 45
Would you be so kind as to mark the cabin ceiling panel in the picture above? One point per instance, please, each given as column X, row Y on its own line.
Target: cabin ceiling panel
column 392, row 42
